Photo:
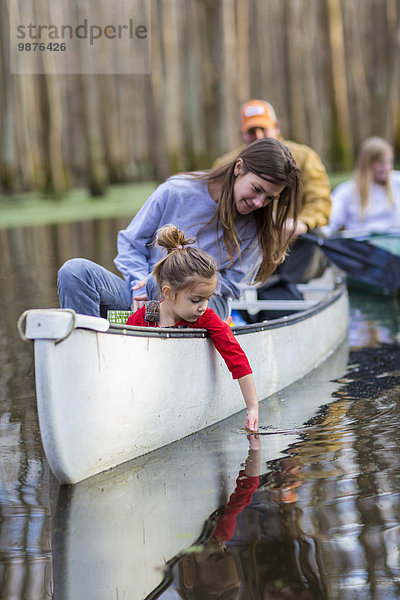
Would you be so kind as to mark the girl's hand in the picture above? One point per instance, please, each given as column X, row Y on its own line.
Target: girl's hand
column 138, row 301
column 250, row 397
column 251, row 422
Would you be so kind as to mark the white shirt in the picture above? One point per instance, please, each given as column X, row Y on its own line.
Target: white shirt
column 380, row 215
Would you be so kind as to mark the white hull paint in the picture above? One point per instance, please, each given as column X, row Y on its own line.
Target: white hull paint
column 105, row 397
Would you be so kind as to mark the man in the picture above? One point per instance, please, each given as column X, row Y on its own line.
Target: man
column 305, row 261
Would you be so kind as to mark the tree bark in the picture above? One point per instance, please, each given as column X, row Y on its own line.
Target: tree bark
column 341, row 141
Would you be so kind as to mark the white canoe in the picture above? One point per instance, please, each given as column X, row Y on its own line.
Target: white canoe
column 109, row 393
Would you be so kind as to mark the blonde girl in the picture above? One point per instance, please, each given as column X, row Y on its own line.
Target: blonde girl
column 187, row 278
column 371, row 200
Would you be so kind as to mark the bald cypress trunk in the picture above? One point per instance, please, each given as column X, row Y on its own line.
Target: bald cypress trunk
column 243, row 50
column 52, row 122
column 229, row 105
column 341, row 146
column 330, row 68
column 174, row 94
column 392, row 112
column 294, row 16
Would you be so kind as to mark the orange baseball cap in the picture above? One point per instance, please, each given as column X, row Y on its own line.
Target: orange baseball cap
column 257, row 113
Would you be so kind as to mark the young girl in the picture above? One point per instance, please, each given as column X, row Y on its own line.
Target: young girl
column 371, row 200
column 187, row 278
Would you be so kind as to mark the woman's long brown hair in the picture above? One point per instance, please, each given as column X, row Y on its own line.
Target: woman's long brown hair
column 272, row 161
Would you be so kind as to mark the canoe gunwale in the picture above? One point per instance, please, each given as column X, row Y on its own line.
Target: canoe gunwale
column 160, row 332
column 296, row 317
column 169, row 332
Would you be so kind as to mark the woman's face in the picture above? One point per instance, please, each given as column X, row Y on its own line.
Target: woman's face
column 381, row 168
column 251, row 192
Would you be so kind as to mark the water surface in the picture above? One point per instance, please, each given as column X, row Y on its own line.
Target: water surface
column 324, row 522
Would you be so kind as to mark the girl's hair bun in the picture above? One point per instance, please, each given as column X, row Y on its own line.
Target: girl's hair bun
column 181, row 265
column 171, row 238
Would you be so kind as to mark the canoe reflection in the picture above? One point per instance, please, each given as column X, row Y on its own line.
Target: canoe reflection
column 112, row 533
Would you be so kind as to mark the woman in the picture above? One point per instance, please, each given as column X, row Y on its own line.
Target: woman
column 238, row 213
column 370, row 201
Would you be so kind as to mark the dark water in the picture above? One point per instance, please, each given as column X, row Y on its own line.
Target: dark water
column 323, row 523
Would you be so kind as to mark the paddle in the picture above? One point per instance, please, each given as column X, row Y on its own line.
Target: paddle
column 361, row 260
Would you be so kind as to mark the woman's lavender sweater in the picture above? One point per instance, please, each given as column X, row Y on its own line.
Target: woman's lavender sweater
column 187, row 204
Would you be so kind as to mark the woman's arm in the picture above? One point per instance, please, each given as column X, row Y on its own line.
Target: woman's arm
column 134, row 242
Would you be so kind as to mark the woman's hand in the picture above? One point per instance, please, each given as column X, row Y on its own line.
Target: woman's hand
column 295, row 231
column 138, row 301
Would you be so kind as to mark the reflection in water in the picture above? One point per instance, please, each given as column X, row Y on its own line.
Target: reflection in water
column 25, row 559
column 272, row 556
column 30, row 258
column 354, row 511
column 374, row 319
column 211, row 567
column 324, row 522
column 152, row 508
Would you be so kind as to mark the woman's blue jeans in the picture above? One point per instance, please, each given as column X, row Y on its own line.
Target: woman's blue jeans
column 90, row 289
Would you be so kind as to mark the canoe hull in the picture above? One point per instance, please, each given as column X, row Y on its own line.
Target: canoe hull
column 104, row 399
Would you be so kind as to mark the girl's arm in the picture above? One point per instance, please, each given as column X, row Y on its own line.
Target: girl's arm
column 248, row 389
column 137, row 318
column 236, row 361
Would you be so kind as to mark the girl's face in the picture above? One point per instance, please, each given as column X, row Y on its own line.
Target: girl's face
column 251, row 192
column 191, row 302
column 381, row 169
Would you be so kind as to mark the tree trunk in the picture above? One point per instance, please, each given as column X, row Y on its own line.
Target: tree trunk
column 173, row 91
column 243, row 50
column 342, row 154
column 296, row 56
column 392, row 112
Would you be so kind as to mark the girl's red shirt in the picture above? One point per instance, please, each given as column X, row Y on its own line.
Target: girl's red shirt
column 220, row 333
